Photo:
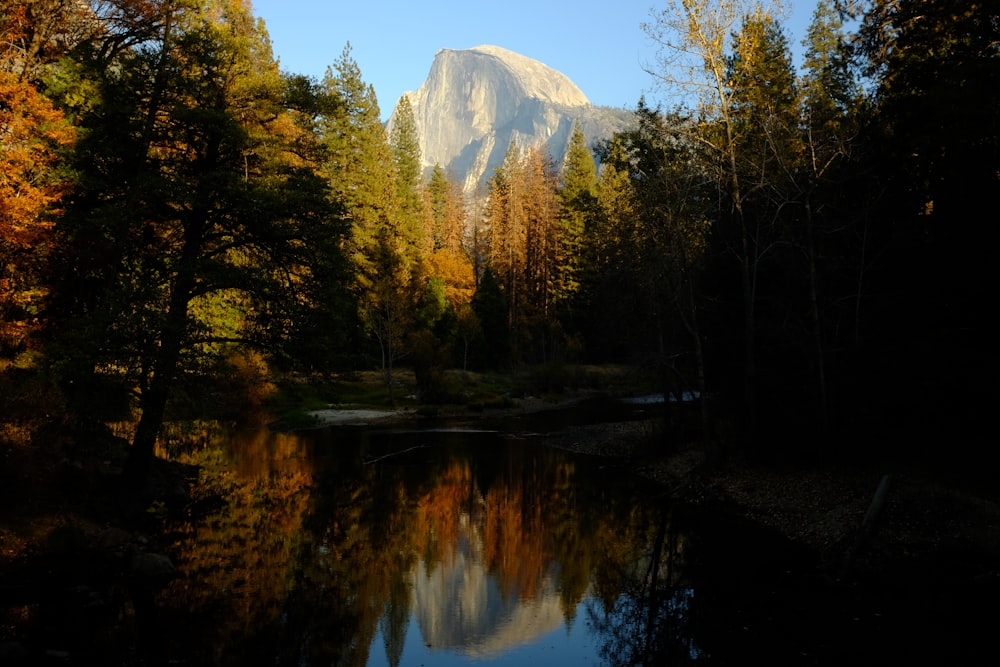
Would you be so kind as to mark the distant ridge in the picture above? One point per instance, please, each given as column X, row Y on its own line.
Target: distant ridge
column 476, row 101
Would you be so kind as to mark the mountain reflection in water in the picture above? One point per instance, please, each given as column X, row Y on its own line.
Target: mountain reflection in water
column 367, row 547
column 460, row 607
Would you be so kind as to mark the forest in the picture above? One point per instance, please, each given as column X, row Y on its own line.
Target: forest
column 806, row 247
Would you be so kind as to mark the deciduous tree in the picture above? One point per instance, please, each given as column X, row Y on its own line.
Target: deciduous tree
column 698, row 59
column 187, row 194
column 33, row 137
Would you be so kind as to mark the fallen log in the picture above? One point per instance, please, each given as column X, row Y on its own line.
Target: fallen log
column 868, row 524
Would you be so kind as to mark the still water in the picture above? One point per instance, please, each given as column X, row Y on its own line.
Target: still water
column 443, row 546
column 459, row 545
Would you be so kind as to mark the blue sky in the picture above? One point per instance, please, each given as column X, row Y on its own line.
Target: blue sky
column 598, row 44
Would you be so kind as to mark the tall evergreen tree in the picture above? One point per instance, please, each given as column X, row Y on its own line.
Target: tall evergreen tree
column 764, row 117
column 489, row 305
column 577, row 208
column 543, row 238
column 830, row 103
column 362, row 171
column 405, row 144
column 615, row 326
column 358, row 163
column 508, row 232
column 444, row 206
column 445, row 210
column 936, row 101
column 522, row 211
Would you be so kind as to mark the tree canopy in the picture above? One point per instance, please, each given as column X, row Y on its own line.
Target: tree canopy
column 801, row 245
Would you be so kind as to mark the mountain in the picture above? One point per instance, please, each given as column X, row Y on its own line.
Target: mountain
column 475, row 102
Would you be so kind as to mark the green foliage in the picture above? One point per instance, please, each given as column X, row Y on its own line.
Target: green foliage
column 439, row 194
column 829, row 89
column 405, row 145
column 433, row 305
column 356, row 160
column 578, row 207
column 764, row 246
column 490, row 307
column 192, row 210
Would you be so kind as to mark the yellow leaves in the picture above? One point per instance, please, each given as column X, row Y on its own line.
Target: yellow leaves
column 32, row 133
column 456, row 271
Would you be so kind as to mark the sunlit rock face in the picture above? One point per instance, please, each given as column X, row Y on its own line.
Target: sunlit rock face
column 475, row 102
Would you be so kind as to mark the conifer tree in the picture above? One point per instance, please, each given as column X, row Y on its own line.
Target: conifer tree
column 444, row 207
column 934, row 69
column 362, row 171
column 508, row 231
column 445, row 210
column 409, row 178
column 614, row 331
column 577, row 207
column 543, row 238
column 829, row 112
column 522, row 211
column 358, row 163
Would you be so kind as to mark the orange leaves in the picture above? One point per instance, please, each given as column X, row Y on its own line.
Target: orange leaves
column 32, row 133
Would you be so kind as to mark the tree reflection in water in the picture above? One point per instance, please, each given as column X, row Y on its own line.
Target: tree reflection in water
column 648, row 621
column 317, row 557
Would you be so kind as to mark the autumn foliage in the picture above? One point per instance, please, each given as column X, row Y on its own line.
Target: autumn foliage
column 32, row 134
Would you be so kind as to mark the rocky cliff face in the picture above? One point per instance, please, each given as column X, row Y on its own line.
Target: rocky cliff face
column 475, row 102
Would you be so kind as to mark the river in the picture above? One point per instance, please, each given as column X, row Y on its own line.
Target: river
column 449, row 544
column 475, row 543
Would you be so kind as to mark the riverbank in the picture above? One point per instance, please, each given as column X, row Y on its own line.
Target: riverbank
column 935, row 543
column 929, row 525
column 933, row 523
column 927, row 530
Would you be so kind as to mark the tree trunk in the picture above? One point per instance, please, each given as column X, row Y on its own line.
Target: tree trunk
column 153, row 402
column 820, row 360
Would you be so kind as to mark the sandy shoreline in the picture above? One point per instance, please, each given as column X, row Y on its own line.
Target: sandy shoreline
column 354, row 416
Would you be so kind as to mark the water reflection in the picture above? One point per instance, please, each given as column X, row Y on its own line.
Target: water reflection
column 356, row 547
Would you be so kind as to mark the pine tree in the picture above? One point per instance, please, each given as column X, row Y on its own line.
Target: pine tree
column 765, row 117
column 362, row 170
column 508, row 231
column 696, row 37
column 543, row 238
column 935, row 137
column 491, row 313
column 829, row 90
column 409, row 179
column 764, row 107
column 829, row 101
column 445, row 210
column 577, row 208
column 444, row 207
column 616, row 314
column 358, row 163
